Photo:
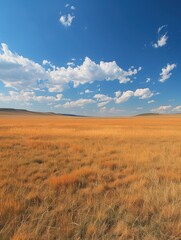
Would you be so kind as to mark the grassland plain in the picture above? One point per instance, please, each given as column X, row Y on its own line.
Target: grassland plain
column 87, row 178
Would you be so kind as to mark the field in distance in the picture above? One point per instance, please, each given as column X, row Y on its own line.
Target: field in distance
column 86, row 178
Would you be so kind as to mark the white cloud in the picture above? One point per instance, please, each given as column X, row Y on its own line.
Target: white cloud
column 45, row 62
column 117, row 94
column 177, row 109
column 103, row 109
column 72, row 64
column 58, row 106
column 89, row 71
column 19, row 72
column 162, row 38
column 160, row 28
column 69, row 6
column 88, row 91
column 162, row 41
column 111, row 111
column 166, row 72
column 22, row 73
column 102, row 97
column 28, row 97
column 48, row 98
column 78, row 103
column 148, row 80
column 141, row 93
column 151, row 101
column 102, row 104
column 55, row 88
column 162, row 109
column 167, row 109
column 66, row 20
column 49, row 64
column 124, row 97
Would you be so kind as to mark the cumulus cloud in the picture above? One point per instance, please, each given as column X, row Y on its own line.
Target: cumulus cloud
column 103, row 109
column 90, row 71
column 141, row 93
column 162, row 109
column 48, row 64
column 55, row 87
column 28, row 97
column 66, row 20
column 102, row 99
column 78, row 103
column 118, row 94
column 124, row 97
column 111, row 111
column 17, row 71
column 167, row 109
column 22, row 73
column 102, row 104
column 177, row 109
column 166, row 72
column 58, row 106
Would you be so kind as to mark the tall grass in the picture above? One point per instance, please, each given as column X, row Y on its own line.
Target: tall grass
column 73, row 178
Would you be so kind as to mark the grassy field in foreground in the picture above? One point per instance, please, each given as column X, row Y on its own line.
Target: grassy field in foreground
column 86, row 178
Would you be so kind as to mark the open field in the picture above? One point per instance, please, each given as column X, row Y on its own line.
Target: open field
column 87, row 178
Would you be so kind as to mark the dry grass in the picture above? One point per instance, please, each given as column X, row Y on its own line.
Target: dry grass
column 87, row 178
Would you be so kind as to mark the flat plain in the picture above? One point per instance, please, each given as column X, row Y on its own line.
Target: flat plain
column 90, row 178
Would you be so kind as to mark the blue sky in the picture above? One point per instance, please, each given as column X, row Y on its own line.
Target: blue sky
column 102, row 58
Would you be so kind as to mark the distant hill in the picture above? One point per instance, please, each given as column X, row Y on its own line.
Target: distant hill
column 147, row 114
column 13, row 111
column 156, row 114
column 16, row 112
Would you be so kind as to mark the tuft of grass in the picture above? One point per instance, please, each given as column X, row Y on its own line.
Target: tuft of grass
column 76, row 177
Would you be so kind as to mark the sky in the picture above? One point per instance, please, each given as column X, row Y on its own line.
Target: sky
column 89, row 57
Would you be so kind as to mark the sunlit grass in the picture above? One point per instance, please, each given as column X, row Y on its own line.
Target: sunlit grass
column 88, row 178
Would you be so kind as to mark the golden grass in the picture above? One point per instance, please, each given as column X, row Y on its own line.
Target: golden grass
column 87, row 178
